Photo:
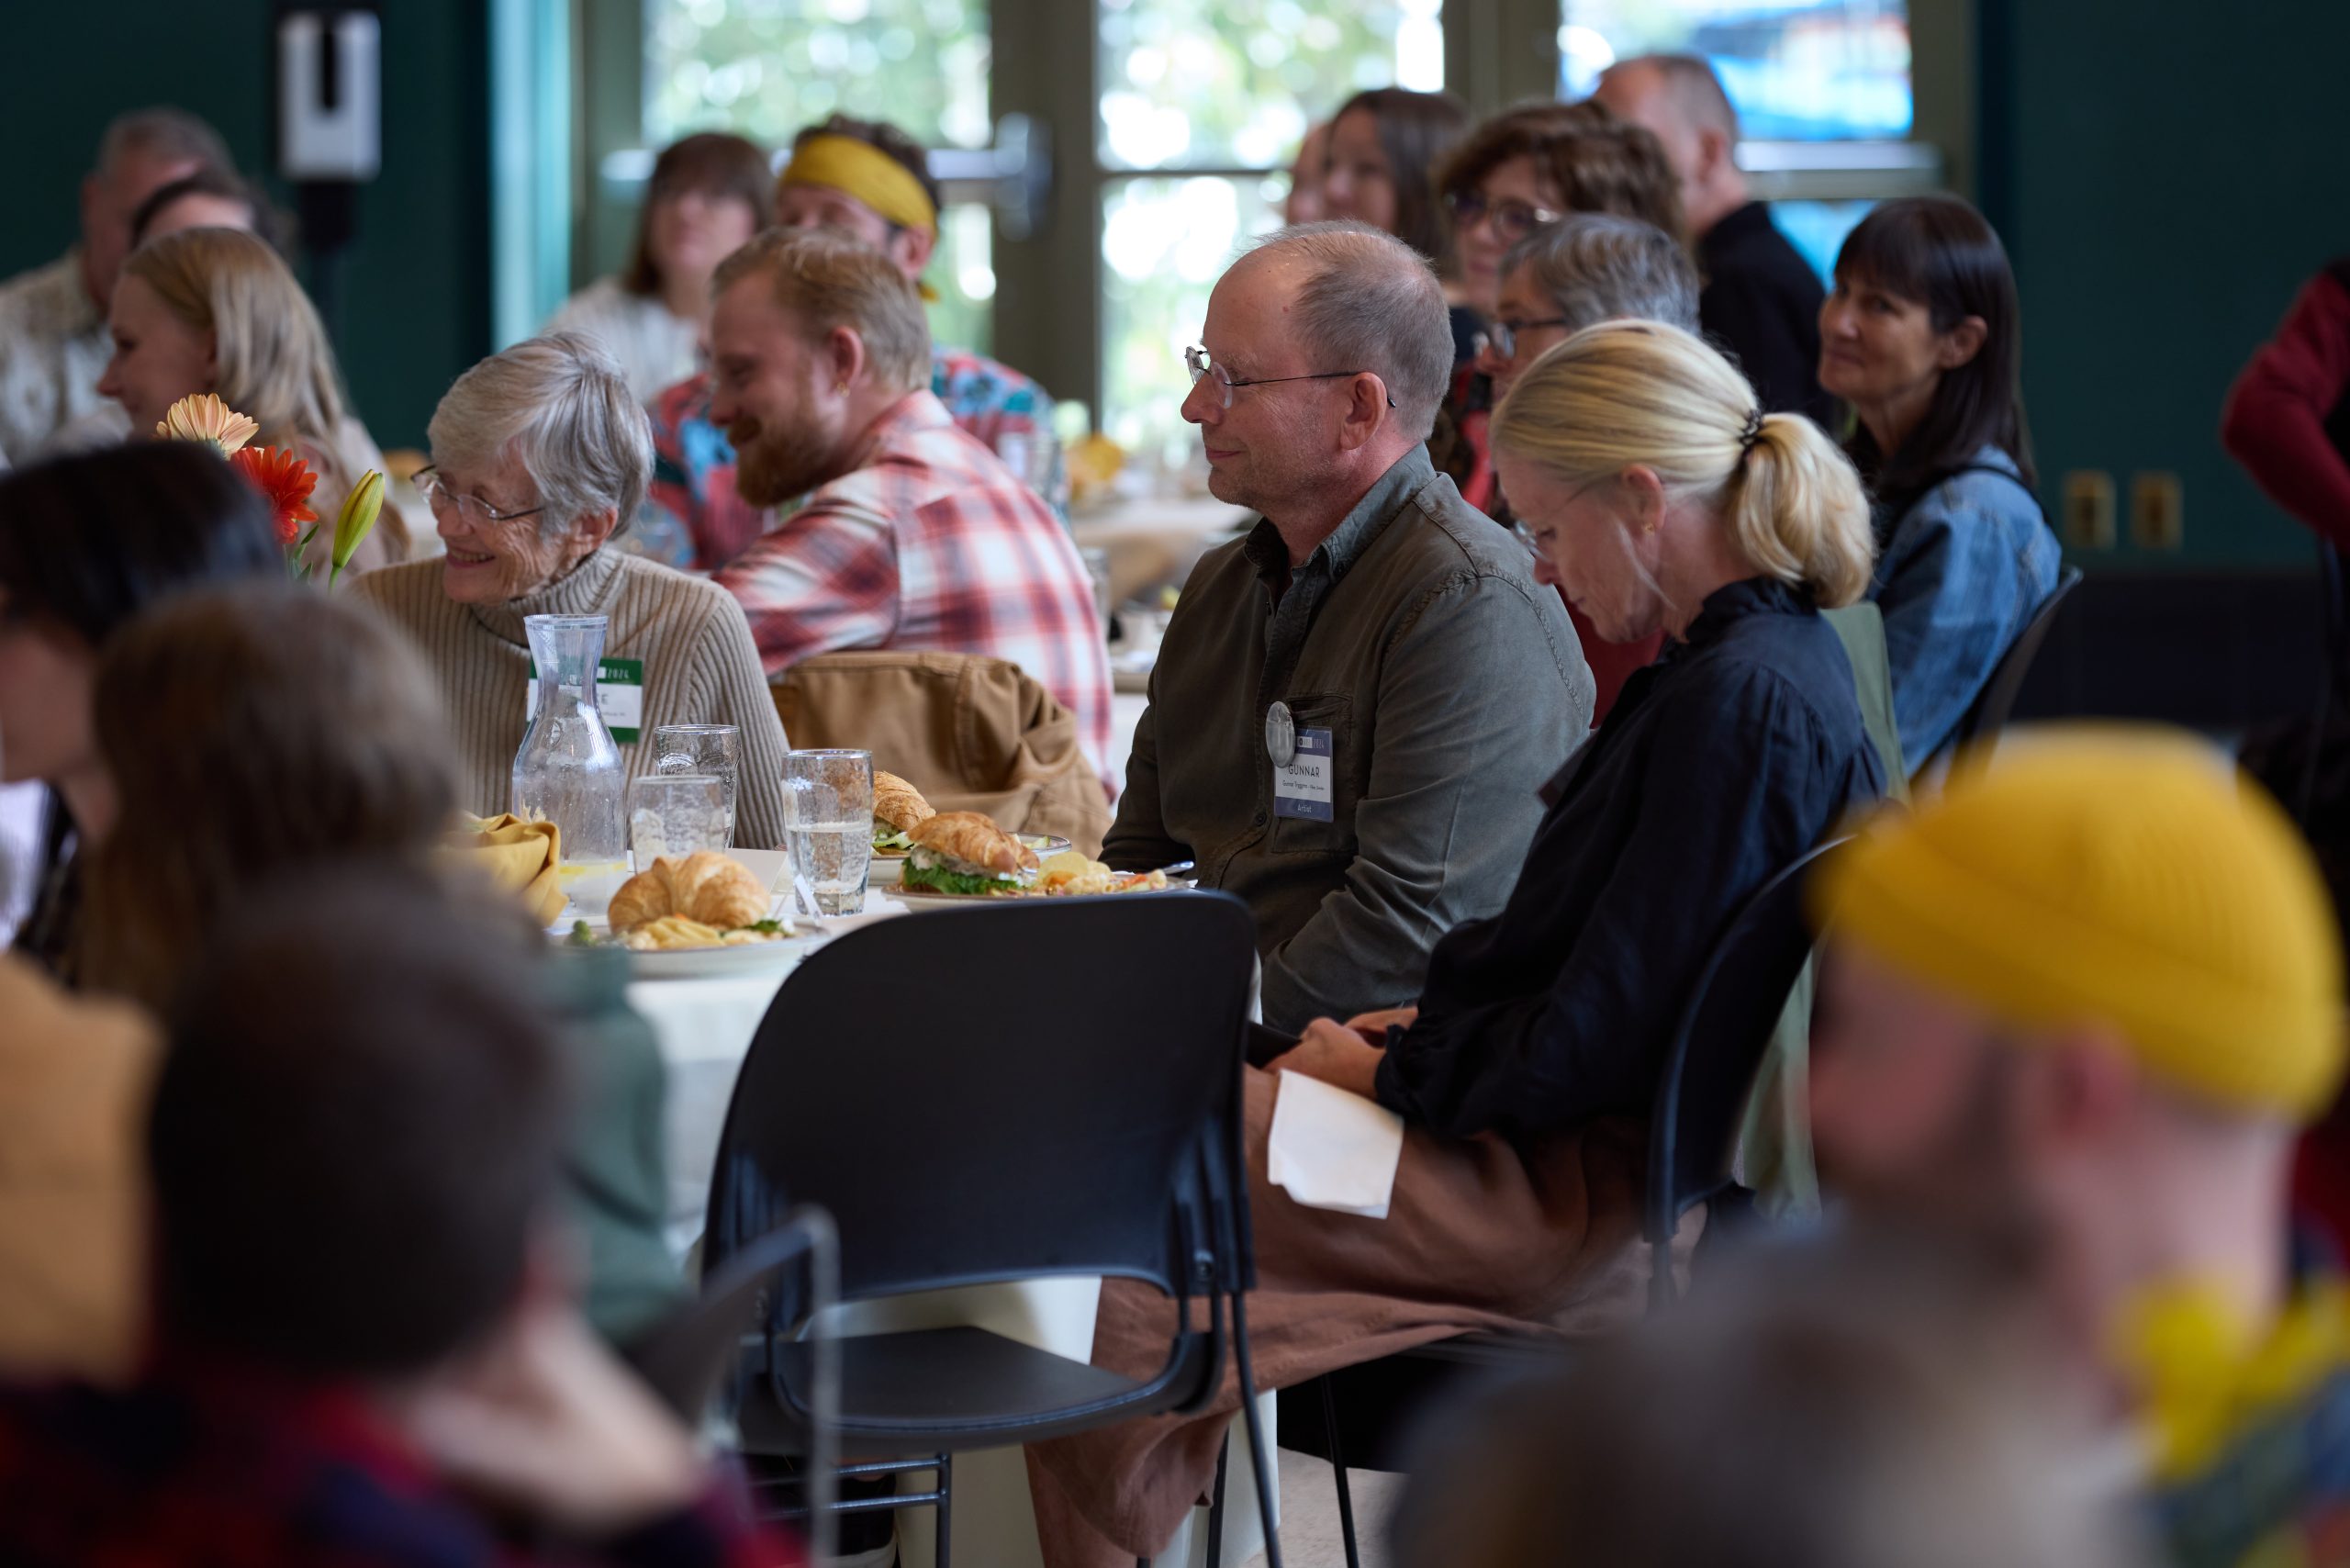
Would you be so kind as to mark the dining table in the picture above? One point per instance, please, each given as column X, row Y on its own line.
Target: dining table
column 705, row 1025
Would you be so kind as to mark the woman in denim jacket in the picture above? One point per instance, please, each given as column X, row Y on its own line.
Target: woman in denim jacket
column 1920, row 336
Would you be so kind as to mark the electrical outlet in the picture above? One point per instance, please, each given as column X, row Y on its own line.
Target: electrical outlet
column 2156, row 520
column 2088, row 510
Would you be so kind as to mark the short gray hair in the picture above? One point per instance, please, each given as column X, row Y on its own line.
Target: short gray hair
column 166, row 134
column 561, row 406
column 1598, row 267
column 1370, row 302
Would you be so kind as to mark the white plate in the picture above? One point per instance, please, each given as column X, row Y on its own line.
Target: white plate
column 928, row 895
column 704, row 963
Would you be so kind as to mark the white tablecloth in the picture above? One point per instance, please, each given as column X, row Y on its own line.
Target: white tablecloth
column 705, row 1029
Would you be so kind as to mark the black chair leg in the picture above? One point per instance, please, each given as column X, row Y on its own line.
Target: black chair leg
column 1339, row 1469
column 1215, row 1505
column 945, row 1510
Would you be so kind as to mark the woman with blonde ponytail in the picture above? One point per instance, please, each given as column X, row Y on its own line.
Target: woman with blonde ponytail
column 1661, row 497
column 217, row 311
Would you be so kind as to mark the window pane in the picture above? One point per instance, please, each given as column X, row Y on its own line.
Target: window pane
column 1164, row 243
column 1818, row 228
column 1232, row 83
column 768, row 67
column 1797, row 73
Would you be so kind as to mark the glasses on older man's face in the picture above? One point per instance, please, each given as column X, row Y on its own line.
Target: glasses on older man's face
column 473, row 509
column 1202, row 368
column 1513, row 219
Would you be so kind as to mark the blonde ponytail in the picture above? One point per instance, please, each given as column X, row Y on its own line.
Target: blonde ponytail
column 1641, row 392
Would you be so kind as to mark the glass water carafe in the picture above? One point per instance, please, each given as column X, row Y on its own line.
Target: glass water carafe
column 568, row 769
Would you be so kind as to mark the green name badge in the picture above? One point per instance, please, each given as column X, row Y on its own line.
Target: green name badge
column 619, row 696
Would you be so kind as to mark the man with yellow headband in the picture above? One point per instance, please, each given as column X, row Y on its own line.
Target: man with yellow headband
column 2075, row 1011
column 870, row 180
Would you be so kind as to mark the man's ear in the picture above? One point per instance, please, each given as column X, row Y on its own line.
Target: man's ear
column 912, row 250
column 844, row 355
column 1714, row 149
column 1366, row 411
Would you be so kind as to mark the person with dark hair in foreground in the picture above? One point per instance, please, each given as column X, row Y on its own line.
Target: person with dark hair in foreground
column 1923, row 336
column 86, row 544
column 361, row 1355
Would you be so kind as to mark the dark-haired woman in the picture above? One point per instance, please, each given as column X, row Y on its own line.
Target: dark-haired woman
column 1384, row 146
column 86, row 544
column 709, row 193
column 1921, row 336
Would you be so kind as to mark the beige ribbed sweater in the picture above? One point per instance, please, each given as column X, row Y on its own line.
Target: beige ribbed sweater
column 701, row 668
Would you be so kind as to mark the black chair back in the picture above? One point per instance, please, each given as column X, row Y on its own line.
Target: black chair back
column 1716, row 1048
column 1993, row 705
column 1005, row 1092
column 686, row 1357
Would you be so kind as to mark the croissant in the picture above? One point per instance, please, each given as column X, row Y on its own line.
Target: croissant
column 707, row 887
column 898, row 803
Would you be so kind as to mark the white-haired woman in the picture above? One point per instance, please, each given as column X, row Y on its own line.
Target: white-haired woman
column 540, row 455
column 1661, row 497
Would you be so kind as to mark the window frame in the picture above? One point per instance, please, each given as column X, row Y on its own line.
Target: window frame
column 1049, row 312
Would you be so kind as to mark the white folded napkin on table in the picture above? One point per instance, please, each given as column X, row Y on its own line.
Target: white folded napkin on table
column 1330, row 1149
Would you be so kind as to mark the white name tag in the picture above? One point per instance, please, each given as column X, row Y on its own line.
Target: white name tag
column 619, row 696
column 1306, row 786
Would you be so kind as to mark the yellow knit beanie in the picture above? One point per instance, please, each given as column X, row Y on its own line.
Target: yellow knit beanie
column 2124, row 875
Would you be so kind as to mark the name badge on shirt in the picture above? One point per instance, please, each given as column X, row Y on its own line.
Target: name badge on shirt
column 1306, row 788
column 619, row 696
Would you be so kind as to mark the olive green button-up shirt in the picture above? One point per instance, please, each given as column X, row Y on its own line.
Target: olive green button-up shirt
column 1453, row 686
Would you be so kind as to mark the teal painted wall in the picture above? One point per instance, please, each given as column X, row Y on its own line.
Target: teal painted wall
column 2167, row 174
column 416, row 281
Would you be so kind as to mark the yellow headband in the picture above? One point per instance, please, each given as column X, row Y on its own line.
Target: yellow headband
column 861, row 170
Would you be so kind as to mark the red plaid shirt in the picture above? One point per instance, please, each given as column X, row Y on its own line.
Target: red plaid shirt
column 932, row 545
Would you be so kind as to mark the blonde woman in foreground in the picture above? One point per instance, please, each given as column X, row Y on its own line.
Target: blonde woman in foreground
column 217, row 311
column 1660, row 498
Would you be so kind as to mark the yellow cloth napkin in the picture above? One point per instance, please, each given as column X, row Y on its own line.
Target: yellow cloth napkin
column 520, row 857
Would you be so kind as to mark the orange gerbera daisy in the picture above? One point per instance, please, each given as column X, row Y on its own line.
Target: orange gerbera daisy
column 285, row 481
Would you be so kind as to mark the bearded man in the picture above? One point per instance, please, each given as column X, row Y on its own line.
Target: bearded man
column 915, row 535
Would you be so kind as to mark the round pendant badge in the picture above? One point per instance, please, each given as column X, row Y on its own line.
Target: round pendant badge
column 1280, row 735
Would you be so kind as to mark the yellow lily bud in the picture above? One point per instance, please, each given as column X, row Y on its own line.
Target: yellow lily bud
column 356, row 521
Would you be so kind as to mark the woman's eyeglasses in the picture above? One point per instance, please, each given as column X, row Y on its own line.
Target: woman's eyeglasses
column 473, row 509
column 1513, row 219
column 1501, row 336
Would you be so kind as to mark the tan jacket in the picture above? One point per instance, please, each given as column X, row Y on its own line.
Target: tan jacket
column 74, row 1079
column 972, row 734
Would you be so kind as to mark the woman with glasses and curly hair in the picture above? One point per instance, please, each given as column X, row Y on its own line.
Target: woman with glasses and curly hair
column 1517, row 172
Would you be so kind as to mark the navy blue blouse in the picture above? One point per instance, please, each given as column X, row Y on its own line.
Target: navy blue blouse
column 1740, row 748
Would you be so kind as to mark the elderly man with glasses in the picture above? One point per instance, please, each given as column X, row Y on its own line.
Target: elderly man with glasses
column 1354, row 705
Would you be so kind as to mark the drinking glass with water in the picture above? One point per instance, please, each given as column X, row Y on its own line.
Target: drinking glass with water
column 828, row 827
column 702, row 751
